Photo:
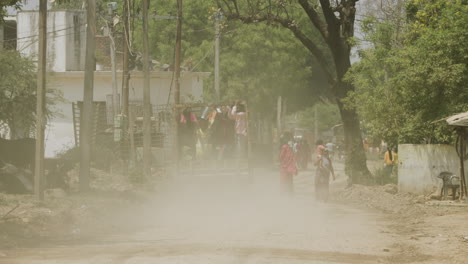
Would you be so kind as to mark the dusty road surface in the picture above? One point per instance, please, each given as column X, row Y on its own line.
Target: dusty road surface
column 225, row 220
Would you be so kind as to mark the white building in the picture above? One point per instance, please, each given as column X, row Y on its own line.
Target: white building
column 66, row 38
column 66, row 52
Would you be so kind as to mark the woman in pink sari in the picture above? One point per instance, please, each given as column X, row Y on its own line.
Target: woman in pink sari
column 288, row 166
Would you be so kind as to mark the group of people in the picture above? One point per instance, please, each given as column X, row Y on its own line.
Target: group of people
column 290, row 162
column 221, row 130
column 294, row 156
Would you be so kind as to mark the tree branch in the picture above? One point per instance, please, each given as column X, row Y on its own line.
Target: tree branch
column 330, row 17
column 315, row 18
column 290, row 24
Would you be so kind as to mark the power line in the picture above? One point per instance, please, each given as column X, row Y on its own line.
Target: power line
column 51, row 32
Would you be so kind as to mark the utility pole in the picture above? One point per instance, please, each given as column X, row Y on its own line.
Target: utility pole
column 279, row 112
column 126, row 51
column 111, row 6
column 125, row 88
column 177, row 81
column 40, row 101
column 86, row 124
column 216, row 69
column 146, row 96
column 316, row 122
column 2, row 36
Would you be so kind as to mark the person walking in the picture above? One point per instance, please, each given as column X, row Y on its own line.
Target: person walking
column 188, row 126
column 239, row 115
column 390, row 160
column 288, row 166
column 322, row 177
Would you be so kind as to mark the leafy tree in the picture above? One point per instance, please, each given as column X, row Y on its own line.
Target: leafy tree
column 18, row 94
column 7, row 3
column 328, row 117
column 406, row 83
column 326, row 29
column 258, row 62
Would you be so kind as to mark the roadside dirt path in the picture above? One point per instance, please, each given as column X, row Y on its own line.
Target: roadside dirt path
column 228, row 221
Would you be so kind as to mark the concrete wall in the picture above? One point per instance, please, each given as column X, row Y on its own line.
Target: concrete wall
column 419, row 166
column 66, row 38
column 59, row 132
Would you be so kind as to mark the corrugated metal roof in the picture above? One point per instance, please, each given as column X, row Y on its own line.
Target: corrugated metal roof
column 458, row 120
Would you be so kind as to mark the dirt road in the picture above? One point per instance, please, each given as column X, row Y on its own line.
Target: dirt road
column 228, row 221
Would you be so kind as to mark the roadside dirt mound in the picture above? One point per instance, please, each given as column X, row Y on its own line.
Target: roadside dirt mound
column 385, row 198
column 100, row 180
column 68, row 215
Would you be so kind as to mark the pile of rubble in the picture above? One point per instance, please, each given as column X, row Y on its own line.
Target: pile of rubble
column 385, row 198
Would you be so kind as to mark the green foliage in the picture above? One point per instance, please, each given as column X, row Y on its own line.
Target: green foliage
column 68, row 4
column 18, row 92
column 328, row 117
column 405, row 84
column 259, row 62
column 8, row 3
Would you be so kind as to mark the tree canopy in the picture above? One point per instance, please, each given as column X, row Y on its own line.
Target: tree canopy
column 258, row 62
column 406, row 81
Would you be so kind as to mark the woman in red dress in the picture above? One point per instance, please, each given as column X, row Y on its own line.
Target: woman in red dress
column 288, row 166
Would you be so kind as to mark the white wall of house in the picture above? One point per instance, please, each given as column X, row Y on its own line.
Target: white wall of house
column 66, row 38
column 59, row 133
column 419, row 166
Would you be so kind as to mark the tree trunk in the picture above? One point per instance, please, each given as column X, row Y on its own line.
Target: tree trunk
column 355, row 162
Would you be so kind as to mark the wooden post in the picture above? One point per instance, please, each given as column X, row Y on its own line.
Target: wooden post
column 316, row 136
column 126, row 51
column 177, row 84
column 40, row 101
column 146, row 96
column 216, row 69
column 125, row 88
column 86, row 121
column 131, row 133
column 461, row 154
column 249, row 145
column 278, row 115
column 115, row 92
column 2, row 36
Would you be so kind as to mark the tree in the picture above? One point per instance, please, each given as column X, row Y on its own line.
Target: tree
column 329, row 117
column 8, row 3
column 251, row 68
column 407, row 81
column 326, row 29
column 18, row 94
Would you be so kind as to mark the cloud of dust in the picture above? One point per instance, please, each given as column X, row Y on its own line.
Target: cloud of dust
column 218, row 209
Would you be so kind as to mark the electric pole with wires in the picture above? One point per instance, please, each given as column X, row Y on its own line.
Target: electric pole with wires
column 40, row 101
column 86, row 124
column 218, row 17
column 178, row 48
column 147, row 156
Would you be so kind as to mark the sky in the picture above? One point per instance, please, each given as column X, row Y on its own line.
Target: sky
column 27, row 5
